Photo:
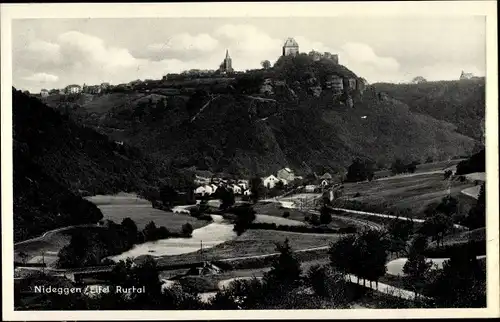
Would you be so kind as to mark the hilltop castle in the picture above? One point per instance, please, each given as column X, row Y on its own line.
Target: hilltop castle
column 290, row 48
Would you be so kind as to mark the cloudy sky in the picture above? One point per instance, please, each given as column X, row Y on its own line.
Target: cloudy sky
column 52, row 53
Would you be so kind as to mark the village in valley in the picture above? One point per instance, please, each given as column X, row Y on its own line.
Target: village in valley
column 297, row 185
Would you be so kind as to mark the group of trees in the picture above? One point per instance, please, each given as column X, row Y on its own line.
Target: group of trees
column 398, row 166
column 90, row 248
column 363, row 255
column 360, row 170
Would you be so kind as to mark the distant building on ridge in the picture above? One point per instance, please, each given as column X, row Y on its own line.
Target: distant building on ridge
column 290, row 48
column 227, row 64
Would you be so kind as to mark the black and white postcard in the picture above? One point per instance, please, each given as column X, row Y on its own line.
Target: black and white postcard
column 202, row 160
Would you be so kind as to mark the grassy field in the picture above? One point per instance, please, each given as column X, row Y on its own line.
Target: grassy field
column 424, row 167
column 414, row 193
column 274, row 209
column 254, row 242
column 121, row 206
column 260, row 218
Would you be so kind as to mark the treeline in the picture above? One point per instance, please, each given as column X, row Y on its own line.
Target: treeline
column 476, row 163
column 92, row 247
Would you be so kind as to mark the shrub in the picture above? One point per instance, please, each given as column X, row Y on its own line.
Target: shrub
column 187, row 229
column 286, row 214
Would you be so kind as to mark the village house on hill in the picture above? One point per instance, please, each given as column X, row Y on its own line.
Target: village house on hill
column 44, row 93
column 270, row 181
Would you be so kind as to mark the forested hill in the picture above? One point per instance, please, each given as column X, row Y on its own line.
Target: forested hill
column 260, row 121
column 461, row 102
column 57, row 161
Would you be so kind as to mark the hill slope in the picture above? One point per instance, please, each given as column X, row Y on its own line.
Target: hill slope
column 459, row 102
column 246, row 134
column 56, row 161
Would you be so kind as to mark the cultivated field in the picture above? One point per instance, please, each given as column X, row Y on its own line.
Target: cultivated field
column 415, row 193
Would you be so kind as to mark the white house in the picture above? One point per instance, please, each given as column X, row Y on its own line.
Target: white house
column 287, row 174
column 310, row 188
column 44, row 93
column 247, row 192
column 204, row 190
column 270, row 182
column 324, row 183
column 244, row 184
column 236, row 189
column 214, row 187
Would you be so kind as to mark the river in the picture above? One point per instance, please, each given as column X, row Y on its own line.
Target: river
column 218, row 232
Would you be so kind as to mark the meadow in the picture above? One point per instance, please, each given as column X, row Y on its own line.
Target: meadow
column 412, row 192
column 121, row 206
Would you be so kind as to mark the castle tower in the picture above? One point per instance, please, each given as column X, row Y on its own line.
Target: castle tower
column 227, row 64
column 290, row 48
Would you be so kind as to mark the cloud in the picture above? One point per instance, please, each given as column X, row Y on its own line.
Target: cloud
column 80, row 58
column 42, row 78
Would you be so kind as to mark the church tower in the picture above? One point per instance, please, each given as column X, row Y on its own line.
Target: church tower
column 227, row 65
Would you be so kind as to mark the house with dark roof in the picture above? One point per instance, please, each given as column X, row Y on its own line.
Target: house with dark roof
column 286, row 174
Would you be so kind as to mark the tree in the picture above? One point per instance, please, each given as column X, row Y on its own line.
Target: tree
column 130, row 229
column 256, row 189
column 286, row 214
column 398, row 167
column 327, row 283
column 150, row 231
column 436, row 227
column 187, row 229
column 370, row 249
column 417, row 267
column 325, row 216
column 23, row 256
column 314, row 220
column 285, row 271
column 418, row 80
column 245, row 215
column 447, row 206
column 360, row 170
column 461, row 282
column 399, row 233
column 343, row 254
column 226, row 196
column 447, row 174
column 266, row 64
column 476, row 218
column 168, row 195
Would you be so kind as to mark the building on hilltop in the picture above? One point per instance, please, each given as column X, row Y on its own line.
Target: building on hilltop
column 290, row 48
column 73, row 89
column 465, row 75
column 44, row 93
column 316, row 56
column 227, row 64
